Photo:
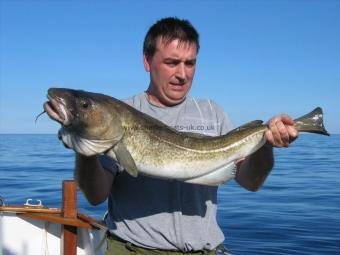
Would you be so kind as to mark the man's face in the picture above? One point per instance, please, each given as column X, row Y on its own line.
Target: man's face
column 172, row 69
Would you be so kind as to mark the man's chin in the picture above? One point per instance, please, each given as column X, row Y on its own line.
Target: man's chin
column 176, row 99
column 178, row 92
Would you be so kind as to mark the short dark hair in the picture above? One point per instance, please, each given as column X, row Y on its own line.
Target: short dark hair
column 170, row 29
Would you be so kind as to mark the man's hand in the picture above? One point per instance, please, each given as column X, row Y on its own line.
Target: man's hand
column 281, row 131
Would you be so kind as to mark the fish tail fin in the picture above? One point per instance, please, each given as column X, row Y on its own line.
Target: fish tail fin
column 312, row 122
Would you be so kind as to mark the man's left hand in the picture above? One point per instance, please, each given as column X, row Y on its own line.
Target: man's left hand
column 281, row 131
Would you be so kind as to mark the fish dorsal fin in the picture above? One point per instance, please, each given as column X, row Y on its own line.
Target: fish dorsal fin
column 251, row 124
column 195, row 135
column 125, row 159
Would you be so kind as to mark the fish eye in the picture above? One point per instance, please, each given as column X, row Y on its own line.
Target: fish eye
column 85, row 105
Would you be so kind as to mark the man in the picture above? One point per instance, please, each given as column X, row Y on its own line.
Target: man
column 151, row 216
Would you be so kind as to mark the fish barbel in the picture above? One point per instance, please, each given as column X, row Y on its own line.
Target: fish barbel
column 94, row 123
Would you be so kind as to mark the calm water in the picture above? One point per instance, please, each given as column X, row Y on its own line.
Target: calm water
column 296, row 212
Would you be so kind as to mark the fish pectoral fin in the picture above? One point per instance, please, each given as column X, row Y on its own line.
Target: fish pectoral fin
column 110, row 153
column 125, row 159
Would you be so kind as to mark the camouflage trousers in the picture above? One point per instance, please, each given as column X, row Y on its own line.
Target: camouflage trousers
column 118, row 247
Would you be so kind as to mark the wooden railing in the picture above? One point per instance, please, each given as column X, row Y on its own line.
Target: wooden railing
column 68, row 216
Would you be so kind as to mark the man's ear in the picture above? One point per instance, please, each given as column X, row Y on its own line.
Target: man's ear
column 147, row 62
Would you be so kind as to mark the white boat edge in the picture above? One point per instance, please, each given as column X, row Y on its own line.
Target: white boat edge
column 25, row 236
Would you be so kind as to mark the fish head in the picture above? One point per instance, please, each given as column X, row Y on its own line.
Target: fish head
column 85, row 117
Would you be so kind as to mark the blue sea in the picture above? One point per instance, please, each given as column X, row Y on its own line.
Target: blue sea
column 297, row 211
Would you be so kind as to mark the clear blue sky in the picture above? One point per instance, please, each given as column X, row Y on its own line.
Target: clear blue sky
column 257, row 58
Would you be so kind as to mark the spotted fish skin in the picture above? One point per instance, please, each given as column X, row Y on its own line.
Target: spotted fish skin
column 94, row 123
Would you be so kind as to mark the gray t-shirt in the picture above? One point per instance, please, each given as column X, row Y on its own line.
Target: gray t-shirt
column 167, row 214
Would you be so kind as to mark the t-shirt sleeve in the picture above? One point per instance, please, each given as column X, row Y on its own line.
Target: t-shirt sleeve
column 108, row 164
column 224, row 123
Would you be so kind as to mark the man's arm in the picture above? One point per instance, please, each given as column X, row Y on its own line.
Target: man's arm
column 254, row 169
column 93, row 179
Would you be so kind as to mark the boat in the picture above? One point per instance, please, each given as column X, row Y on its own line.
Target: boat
column 33, row 229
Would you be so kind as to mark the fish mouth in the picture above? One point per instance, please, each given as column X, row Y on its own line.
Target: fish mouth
column 57, row 110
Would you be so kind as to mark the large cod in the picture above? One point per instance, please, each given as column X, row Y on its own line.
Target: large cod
column 94, row 123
